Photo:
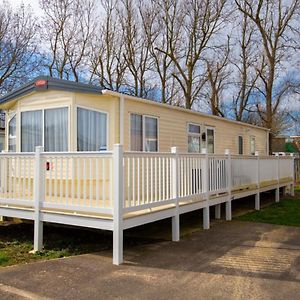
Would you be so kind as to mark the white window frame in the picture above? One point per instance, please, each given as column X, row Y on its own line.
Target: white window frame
column 144, row 130
column 206, row 138
column 14, row 115
column 43, row 123
column 96, row 110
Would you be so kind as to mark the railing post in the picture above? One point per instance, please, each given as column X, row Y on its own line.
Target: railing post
column 3, row 179
column 206, row 219
column 39, row 196
column 292, row 187
column 229, row 176
column 175, row 180
column 118, row 195
column 257, row 195
column 277, row 196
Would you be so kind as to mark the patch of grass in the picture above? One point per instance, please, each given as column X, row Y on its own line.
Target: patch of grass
column 3, row 258
column 297, row 188
column 286, row 212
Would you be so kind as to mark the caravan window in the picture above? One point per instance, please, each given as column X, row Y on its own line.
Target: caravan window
column 91, row 130
column 31, row 130
column 210, row 140
column 12, row 129
column 48, row 128
column 240, row 145
column 143, row 133
column 194, row 138
column 252, row 145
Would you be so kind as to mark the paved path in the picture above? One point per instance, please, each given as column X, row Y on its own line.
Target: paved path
column 233, row 260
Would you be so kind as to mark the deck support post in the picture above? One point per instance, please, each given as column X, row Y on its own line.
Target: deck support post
column 206, row 219
column 284, row 191
column 218, row 211
column 39, row 195
column 175, row 177
column 228, row 210
column 228, row 213
column 292, row 190
column 118, row 204
column 292, row 186
column 257, row 196
column 257, row 201
column 5, row 172
column 277, row 196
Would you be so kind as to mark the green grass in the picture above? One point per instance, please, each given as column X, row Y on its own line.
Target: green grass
column 286, row 212
column 297, row 188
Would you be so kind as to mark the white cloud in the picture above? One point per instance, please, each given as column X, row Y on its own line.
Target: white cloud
column 33, row 3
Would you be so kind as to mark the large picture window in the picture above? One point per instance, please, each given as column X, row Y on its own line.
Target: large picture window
column 91, row 130
column 12, row 129
column 48, row 128
column 194, row 138
column 143, row 133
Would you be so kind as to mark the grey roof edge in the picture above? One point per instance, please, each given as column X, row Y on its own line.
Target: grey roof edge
column 52, row 84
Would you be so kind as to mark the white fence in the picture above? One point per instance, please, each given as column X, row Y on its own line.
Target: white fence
column 84, row 181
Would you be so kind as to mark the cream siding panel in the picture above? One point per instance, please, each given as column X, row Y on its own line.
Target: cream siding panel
column 173, row 129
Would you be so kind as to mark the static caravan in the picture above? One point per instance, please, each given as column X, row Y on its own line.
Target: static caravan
column 66, row 116
column 79, row 155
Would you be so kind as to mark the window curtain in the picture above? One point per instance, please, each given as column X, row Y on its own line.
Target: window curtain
column 91, row 130
column 31, row 130
column 56, row 129
column 136, row 132
column 193, row 144
column 150, row 134
column 12, row 128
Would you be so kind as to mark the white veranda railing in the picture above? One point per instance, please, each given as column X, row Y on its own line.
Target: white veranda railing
column 86, row 181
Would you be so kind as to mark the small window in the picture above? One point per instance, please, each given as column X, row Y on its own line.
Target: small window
column 241, row 145
column 136, row 132
column 252, row 145
column 12, row 128
column 210, row 140
column 194, row 138
column 143, row 133
column 91, row 130
column 150, row 134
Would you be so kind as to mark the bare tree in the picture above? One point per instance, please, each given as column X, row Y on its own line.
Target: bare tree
column 245, row 61
column 69, row 28
column 107, row 63
column 160, row 19
column 201, row 20
column 217, row 74
column 274, row 21
column 136, row 48
column 18, row 50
